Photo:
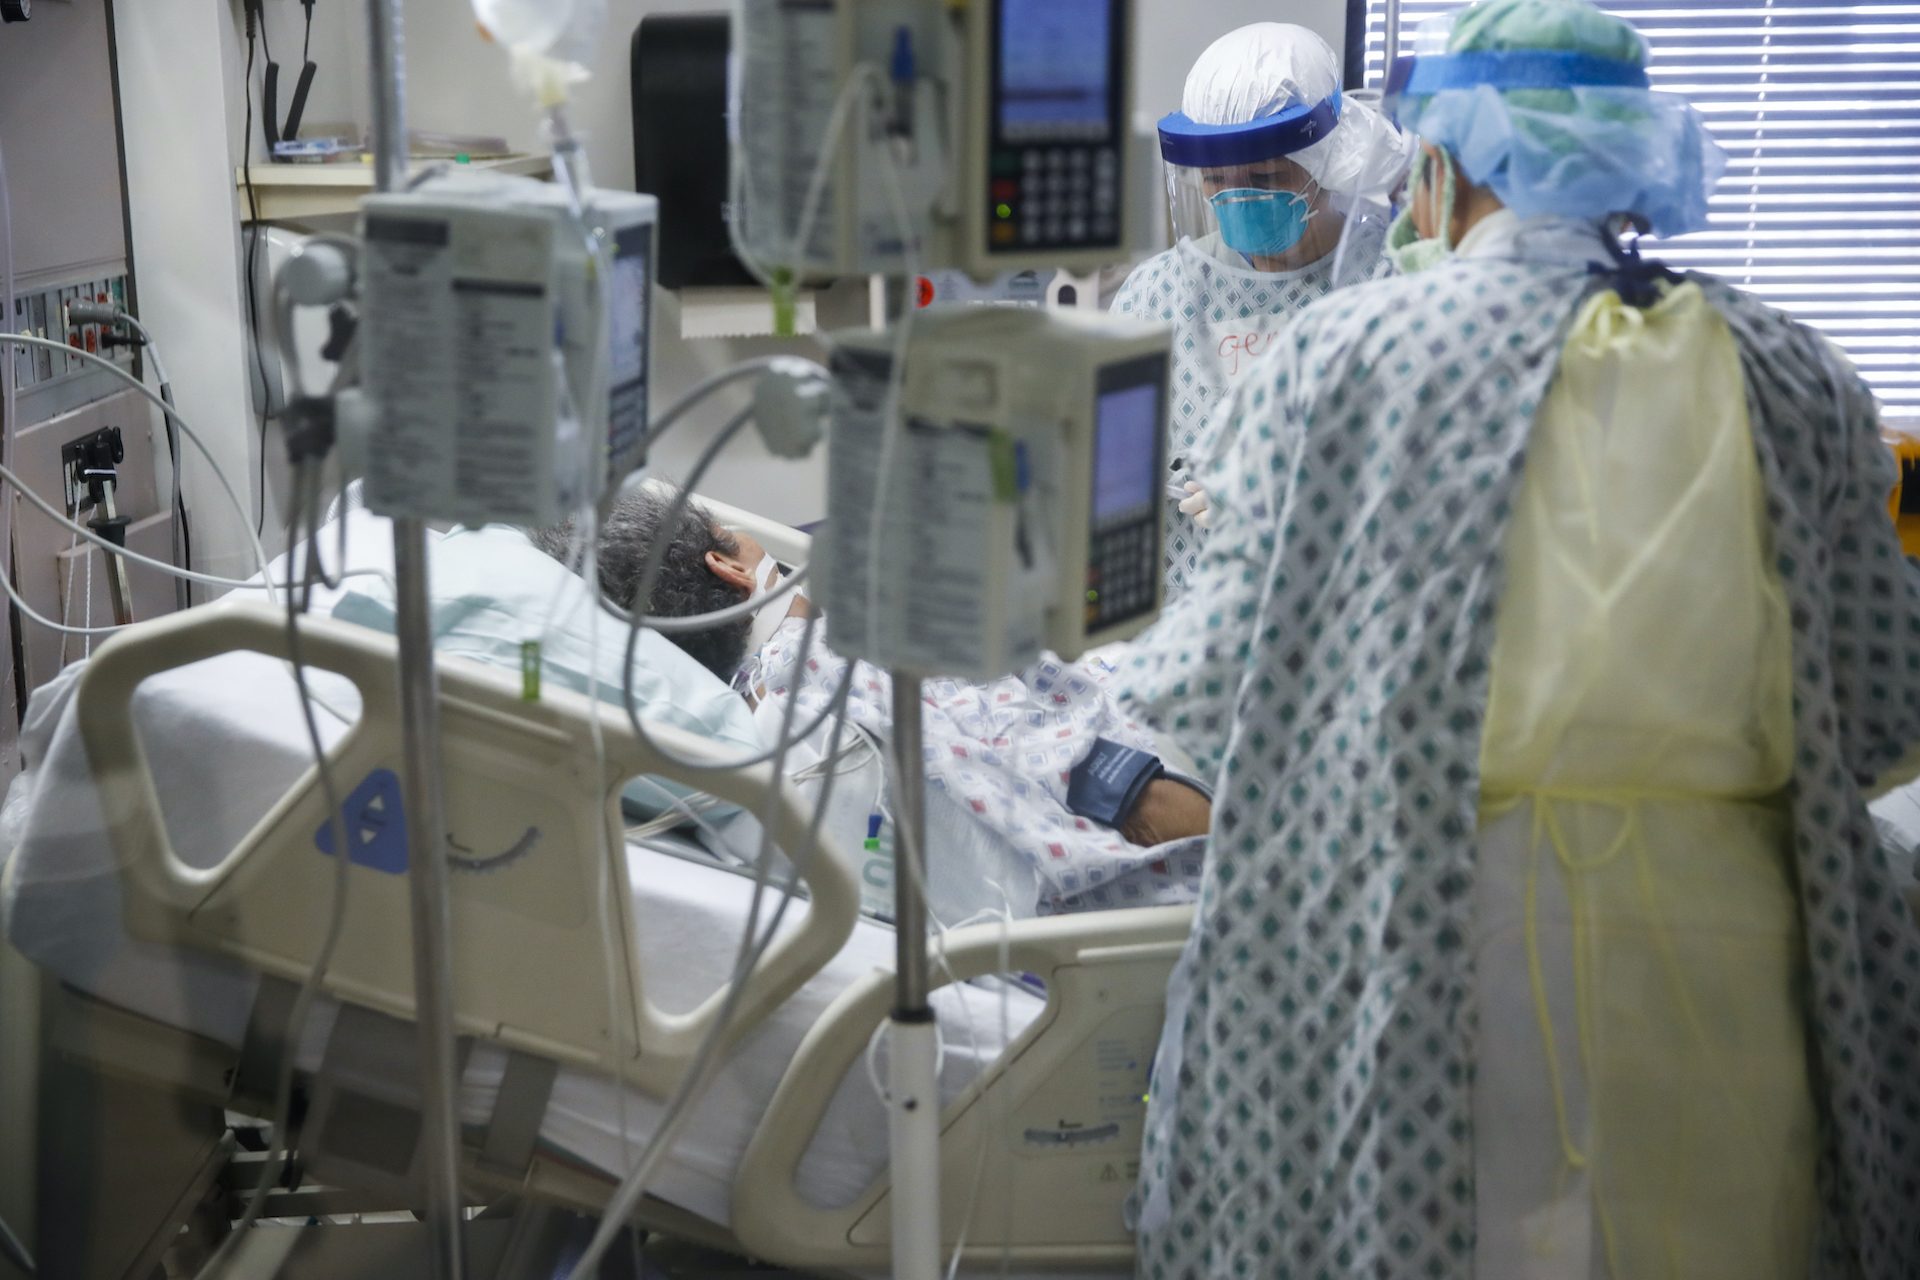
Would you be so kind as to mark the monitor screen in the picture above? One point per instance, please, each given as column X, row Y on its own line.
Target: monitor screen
column 1126, row 455
column 1055, row 70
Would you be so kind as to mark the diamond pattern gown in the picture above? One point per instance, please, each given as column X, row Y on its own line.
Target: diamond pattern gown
column 1224, row 318
column 1311, row 1108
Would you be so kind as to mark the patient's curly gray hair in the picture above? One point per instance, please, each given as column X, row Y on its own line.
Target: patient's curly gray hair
column 685, row 586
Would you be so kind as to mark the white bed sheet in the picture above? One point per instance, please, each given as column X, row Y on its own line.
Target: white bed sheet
column 225, row 738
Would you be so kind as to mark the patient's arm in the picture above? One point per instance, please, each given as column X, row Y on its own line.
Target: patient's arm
column 1167, row 810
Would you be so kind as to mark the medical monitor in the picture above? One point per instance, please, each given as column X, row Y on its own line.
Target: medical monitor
column 1056, row 126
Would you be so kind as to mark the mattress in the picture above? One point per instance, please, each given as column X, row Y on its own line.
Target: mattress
column 225, row 738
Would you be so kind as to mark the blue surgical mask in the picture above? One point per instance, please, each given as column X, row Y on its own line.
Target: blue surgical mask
column 1261, row 224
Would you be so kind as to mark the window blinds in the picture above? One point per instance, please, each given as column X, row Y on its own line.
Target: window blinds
column 1817, row 104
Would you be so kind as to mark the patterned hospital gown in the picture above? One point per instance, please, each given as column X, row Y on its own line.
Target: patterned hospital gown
column 1002, row 751
column 1312, row 1115
column 1224, row 318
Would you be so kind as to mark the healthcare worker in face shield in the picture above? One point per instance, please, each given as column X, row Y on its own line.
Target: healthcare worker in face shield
column 1551, row 634
column 1267, row 164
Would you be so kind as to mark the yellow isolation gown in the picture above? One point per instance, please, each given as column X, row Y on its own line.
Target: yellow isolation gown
column 1642, row 1107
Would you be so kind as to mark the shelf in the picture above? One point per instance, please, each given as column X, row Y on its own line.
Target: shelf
column 300, row 192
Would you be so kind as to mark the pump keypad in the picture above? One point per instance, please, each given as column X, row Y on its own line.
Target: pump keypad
column 1123, row 573
column 1053, row 197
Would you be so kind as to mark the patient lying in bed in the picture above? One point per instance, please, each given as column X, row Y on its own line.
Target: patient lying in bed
column 1044, row 761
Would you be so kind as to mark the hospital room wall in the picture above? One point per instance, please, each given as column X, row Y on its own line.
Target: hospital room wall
column 181, row 68
column 179, row 64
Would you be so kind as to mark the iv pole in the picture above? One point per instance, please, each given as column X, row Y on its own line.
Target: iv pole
column 913, row 1038
column 420, row 707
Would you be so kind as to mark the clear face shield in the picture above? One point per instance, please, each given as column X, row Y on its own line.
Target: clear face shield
column 1367, row 218
column 1236, row 187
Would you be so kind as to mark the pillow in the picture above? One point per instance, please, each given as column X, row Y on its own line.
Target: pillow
column 491, row 589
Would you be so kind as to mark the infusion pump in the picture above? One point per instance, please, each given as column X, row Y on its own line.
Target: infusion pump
column 1016, row 503
column 507, row 376
column 985, row 137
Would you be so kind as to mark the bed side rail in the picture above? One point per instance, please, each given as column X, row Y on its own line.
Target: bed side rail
column 523, row 796
column 1060, row 1114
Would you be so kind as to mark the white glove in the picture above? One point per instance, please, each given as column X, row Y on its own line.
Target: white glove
column 1197, row 505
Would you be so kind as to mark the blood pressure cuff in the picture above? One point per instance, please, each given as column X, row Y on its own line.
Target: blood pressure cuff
column 1109, row 782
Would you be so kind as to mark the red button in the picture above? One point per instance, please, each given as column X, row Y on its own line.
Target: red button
column 926, row 292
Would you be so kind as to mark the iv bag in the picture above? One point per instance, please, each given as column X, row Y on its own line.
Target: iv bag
column 563, row 32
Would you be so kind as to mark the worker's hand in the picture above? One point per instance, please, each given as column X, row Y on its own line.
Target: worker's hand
column 1167, row 810
column 1197, row 505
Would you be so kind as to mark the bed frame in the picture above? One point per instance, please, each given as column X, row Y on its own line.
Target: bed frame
column 1039, row 1154
column 524, row 792
column 1049, row 1133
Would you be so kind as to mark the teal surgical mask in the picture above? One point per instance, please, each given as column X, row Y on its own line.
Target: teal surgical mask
column 1261, row 224
column 1410, row 253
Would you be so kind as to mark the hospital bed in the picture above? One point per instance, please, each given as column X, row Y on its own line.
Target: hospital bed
column 184, row 994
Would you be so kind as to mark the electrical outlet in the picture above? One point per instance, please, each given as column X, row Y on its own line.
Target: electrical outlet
column 117, row 295
column 89, row 333
column 22, row 322
column 69, row 332
column 42, row 358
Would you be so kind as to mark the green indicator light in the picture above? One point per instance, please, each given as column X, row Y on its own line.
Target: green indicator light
column 1004, row 209
column 1092, row 597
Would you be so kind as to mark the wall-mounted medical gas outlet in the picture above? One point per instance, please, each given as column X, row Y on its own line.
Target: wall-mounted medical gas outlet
column 42, row 313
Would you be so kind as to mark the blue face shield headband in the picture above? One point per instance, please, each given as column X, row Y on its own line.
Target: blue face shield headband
column 1259, row 223
column 1419, row 76
column 1187, row 144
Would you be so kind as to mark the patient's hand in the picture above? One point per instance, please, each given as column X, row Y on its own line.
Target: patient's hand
column 1167, row 810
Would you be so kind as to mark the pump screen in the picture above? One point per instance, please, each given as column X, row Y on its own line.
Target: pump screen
column 627, row 339
column 1125, row 456
column 1055, row 70
column 628, row 314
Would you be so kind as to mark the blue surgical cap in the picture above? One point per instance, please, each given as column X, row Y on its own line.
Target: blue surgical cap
column 1547, row 102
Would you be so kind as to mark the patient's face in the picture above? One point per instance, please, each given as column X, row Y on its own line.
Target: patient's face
column 751, row 552
column 742, row 571
column 739, row 568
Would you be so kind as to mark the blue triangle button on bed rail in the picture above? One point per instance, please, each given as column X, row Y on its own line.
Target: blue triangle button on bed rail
column 376, row 824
